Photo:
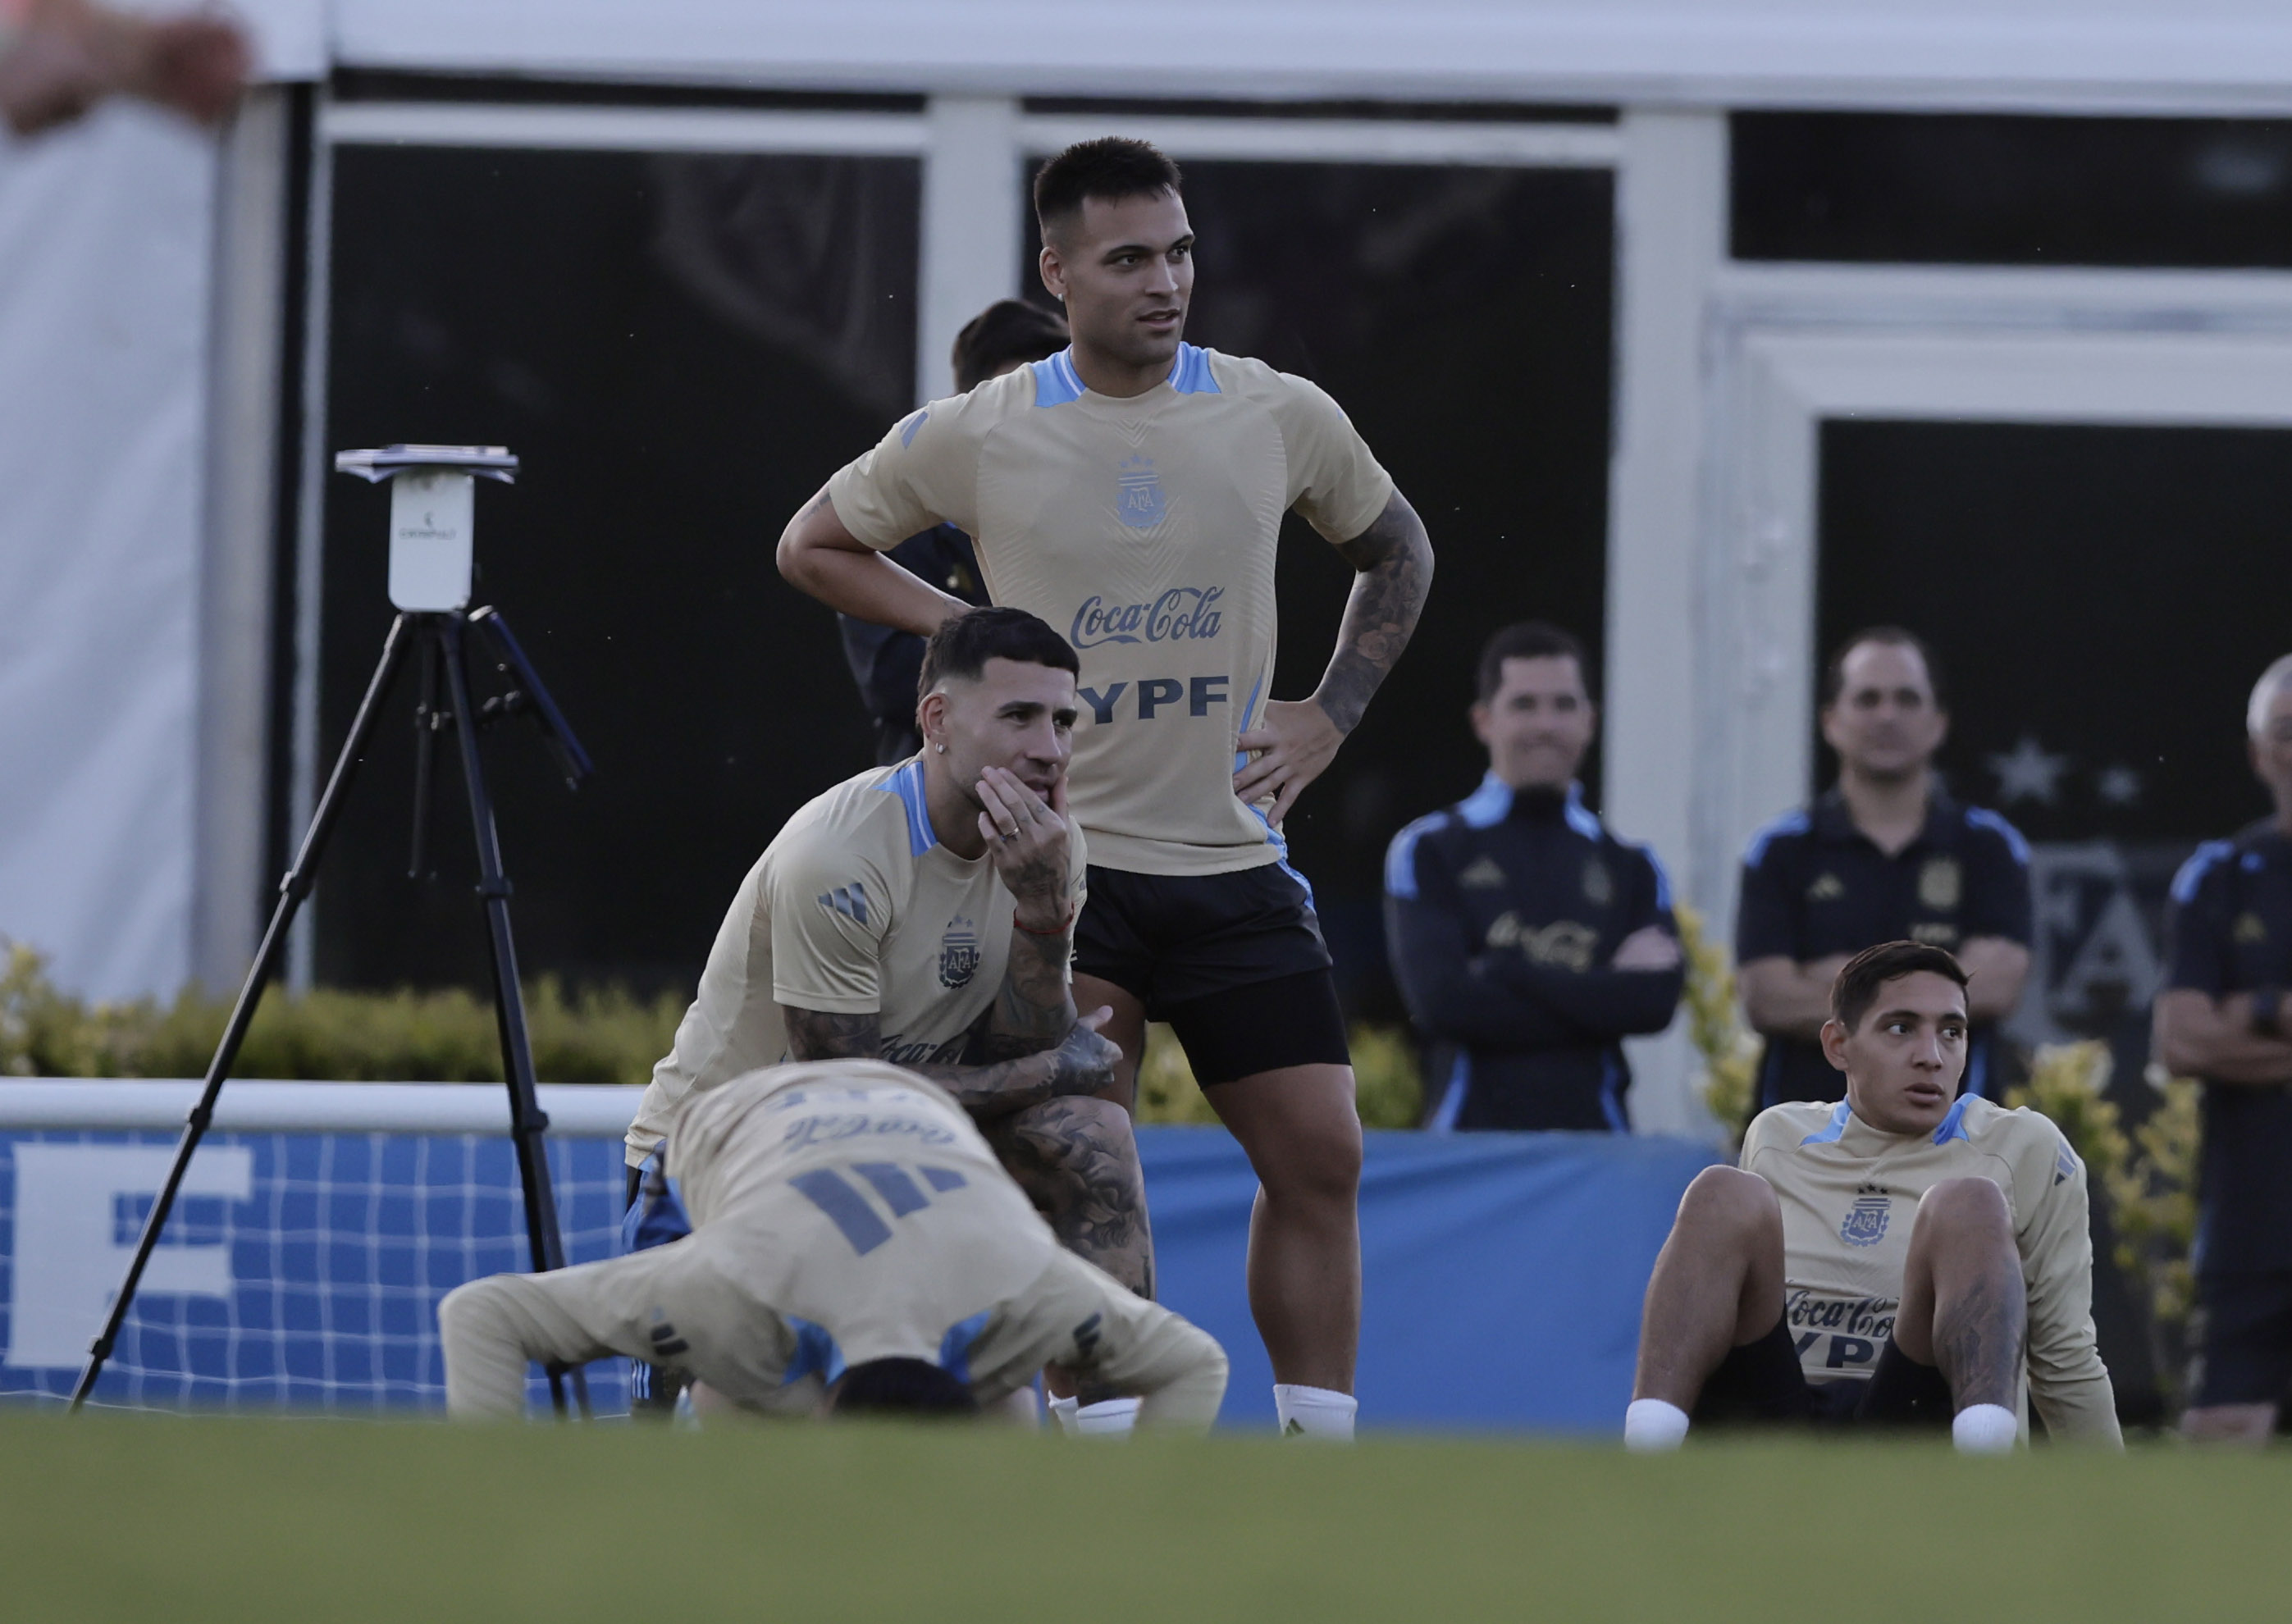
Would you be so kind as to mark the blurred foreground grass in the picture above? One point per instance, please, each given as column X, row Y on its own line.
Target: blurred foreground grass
column 110, row 1517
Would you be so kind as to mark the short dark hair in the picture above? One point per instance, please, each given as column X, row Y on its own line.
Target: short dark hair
column 962, row 647
column 1834, row 675
column 1110, row 169
column 1867, row 972
column 1007, row 331
column 915, row 1388
column 1529, row 639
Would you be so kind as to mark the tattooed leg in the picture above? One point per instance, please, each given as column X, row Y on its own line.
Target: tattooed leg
column 1965, row 1308
column 1078, row 1163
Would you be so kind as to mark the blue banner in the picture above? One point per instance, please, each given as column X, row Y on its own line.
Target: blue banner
column 1503, row 1273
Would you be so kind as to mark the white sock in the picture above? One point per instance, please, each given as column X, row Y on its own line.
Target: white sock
column 1109, row 1417
column 1985, row 1429
column 1314, row 1412
column 1652, row 1426
column 1063, row 1414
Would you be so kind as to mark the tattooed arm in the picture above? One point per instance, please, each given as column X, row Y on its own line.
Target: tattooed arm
column 1028, row 841
column 1298, row 739
column 1082, row 1064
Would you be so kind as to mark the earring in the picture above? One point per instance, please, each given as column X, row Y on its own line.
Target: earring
column 941, row 748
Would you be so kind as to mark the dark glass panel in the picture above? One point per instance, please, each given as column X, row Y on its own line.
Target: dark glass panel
column 2010, row 191
column 680, row 348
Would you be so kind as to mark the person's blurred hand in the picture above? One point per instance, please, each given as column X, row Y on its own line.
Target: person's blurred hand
column 49, row 75
column 71, row 54
column 197, row 64
column 1648, row 948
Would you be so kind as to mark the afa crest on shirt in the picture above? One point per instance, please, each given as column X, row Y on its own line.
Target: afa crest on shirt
column 1940, row 883
column 1138, row 501
column 2250, row 928
column 1599, row 884
column 1865, row 1220
column 958, row 954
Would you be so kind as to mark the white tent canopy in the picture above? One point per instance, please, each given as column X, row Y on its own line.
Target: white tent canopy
column 2213, row 54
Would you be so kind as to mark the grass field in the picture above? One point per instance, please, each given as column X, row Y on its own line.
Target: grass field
column 122, row 1518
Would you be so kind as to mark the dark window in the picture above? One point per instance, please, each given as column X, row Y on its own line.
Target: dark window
column 1999, row 190
column 1461, row 317
column 680, row 348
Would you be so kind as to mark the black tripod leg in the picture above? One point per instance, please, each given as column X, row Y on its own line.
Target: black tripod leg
column 292, row 890
column 526, row 1121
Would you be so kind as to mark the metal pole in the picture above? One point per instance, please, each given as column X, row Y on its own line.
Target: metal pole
column 527, row 1122
column 292, row 890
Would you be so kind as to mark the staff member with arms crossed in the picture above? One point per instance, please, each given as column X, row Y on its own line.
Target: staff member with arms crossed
column 1527, row 939
column 1885, row 855
column 2223, row 1016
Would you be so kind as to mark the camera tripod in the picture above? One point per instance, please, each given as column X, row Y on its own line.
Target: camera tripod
column 442, row 641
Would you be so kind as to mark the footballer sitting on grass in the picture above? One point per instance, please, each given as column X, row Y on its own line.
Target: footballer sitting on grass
column 856, row 1245
column 1908, row 1255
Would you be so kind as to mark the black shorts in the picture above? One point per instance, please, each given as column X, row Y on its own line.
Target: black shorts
column 1234, row 962
column 2244, row 1338
column 1763, row 1381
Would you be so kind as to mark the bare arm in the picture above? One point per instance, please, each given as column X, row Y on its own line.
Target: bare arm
column 1082, row 1064
column 2196, row 1035
column 1298, row 739
column 819, row 556
column 1785, row 999
column 1999, row 969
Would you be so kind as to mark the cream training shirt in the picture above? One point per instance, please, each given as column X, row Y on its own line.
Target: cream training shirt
column 842, row 1211
column 854, row 909
column 1144, row 531
column 1849, row 1194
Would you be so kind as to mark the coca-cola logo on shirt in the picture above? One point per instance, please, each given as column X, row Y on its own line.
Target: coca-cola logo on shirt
column 1182, row 614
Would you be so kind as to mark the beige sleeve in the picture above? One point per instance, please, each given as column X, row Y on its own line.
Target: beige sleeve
column 1335, row 482
column 831, row 909
column 923, row 471
column 1084, row 1319
column 2068, row 1385
column 491, row 1329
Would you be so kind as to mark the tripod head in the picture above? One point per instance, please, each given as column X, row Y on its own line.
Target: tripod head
column 432, row 503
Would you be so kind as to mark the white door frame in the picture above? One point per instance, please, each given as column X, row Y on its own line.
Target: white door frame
column 1792, row 346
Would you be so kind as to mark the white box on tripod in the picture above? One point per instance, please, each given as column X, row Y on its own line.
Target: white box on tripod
column 431, row 510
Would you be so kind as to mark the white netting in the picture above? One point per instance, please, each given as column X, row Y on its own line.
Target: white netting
column 298, row 1270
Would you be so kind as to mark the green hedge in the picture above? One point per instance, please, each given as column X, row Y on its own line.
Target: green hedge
column 406, row 1036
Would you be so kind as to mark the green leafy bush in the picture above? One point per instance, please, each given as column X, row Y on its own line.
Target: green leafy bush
column 1729, row 1051
column 2147, row 1178
column 605, row 1035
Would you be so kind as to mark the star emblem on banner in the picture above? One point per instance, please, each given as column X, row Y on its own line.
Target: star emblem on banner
column 2118, row 787
column 2028, row 772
